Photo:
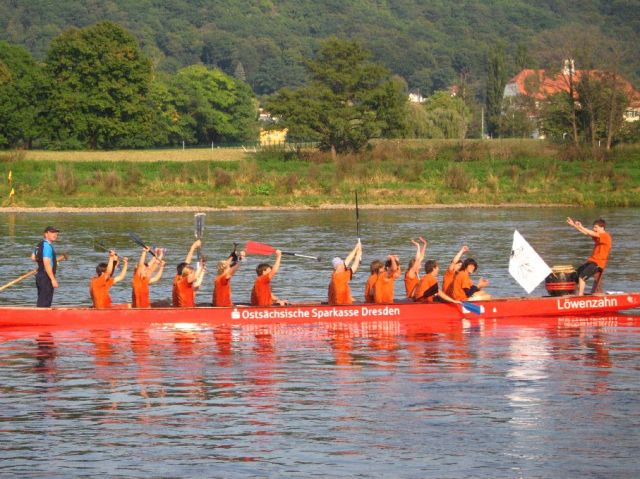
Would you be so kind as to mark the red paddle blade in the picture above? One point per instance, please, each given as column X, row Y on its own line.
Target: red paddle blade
column 253, row 247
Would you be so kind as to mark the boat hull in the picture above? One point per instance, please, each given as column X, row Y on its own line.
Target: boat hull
column 73, row 317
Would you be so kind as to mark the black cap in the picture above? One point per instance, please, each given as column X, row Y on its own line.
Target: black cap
column 51, row 229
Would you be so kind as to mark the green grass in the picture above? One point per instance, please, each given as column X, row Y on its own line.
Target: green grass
column 391, row 172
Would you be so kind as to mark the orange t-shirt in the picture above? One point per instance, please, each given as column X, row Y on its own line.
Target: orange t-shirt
column 427, row 282
column 261, row 292
column 410, row 284
column 140, row 293
column 99, row 290
column 601, row 249
column 222, row 291
column 368, row 288
column 462, row 282
column 183, row 293
column 447, row 281
column 383, row 290
column 339, row 291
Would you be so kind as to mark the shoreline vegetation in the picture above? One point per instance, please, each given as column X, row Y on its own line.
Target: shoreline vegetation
column 389, row 173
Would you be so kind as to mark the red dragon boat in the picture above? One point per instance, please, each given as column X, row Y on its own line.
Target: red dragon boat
column 12, row 317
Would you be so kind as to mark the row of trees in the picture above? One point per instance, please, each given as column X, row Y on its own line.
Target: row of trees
column 428, row 43
column 96, row 89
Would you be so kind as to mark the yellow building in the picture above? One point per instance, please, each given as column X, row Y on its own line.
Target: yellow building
column 273, row 137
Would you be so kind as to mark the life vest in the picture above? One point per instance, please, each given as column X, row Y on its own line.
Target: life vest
column 40, row 261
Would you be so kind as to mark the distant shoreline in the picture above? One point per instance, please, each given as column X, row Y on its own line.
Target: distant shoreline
column 186, row 209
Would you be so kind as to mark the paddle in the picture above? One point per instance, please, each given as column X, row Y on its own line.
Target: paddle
column 357, row 217
column 136, row 239
column 97, row 245
column 472, row 307
column 253, row 247
column 199, row 229
column 62, row 257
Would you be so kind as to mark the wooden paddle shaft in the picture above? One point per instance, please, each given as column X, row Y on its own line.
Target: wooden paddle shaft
column 17, row 280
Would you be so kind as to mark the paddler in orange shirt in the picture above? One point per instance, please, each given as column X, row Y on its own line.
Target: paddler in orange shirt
column 103, row 280
column 222, row 283
column 188, row 280
column 412, row 276
column 452, row 270
column 142, row 278
column 339, row 291
column 428, row 290
column 597, row 262
column 463, row 287
column 384, row 288
column 376, row 268
column 261, row 294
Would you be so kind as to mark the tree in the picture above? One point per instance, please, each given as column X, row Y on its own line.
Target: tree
column 21, row 97
column 603, row 102
column 446, row 116
column 348, row 101
column 213, row 106
column 99, row 83
column 517, row 120
column 595, row 91
column 496, row 80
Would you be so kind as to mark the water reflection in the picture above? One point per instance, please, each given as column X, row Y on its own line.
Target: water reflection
column 517, row 395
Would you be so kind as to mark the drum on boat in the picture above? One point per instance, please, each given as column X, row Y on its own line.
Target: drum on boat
column 562, row 280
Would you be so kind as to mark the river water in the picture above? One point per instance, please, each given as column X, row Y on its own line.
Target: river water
column 554, row 398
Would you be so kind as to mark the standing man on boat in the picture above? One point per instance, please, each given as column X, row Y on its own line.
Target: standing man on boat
column 45, row 256
column 597, row 262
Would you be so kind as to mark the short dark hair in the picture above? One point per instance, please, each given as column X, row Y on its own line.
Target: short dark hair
column 101, row 268
column 181, row 266
column 390, row 262
column 376, row 265
column 412, row 261
column 469, row 261
column 430, row 265
column 261, row 268
column 600, row 222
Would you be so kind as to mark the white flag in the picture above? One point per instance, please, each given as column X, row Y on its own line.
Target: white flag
column 525, row 265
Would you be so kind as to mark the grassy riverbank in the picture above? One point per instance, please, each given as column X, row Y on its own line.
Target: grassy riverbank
column 391, row 172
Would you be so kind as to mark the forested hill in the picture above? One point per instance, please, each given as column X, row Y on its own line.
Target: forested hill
column 426, row 42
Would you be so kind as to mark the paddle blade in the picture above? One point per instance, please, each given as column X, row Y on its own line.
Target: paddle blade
column 472, row 307
column 136, row 239
column 199, row 225
column 253, row 247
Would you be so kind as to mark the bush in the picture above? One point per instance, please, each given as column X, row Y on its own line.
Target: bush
column 65, row 179
column 457, row 178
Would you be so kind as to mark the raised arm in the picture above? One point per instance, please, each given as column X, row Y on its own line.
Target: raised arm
column 356, row 261
column 113, row 257
column 415, row 269
column 395, row 266
column 585, row 231
column 458, row 257
column 123, row 273
column 196, row 244
column 276, row 265
column 353, row 259
column 423, row 249
column 143, row 256
column 200, row 274
column 158, row 275
column 232, row 270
